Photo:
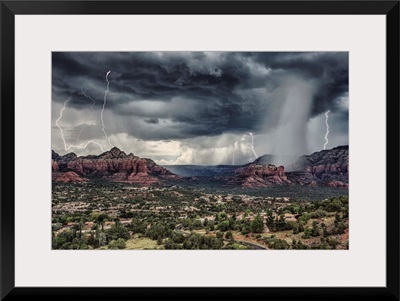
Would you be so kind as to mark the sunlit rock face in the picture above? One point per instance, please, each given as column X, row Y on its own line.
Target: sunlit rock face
column 114, row 165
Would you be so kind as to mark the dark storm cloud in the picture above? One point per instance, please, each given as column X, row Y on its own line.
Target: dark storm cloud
column 152, row 120
column 198, row 93
column 328, row 69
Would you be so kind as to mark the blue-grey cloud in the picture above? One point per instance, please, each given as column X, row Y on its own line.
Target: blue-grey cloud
column 187, row 94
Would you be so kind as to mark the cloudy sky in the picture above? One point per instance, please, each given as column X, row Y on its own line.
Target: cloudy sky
column 199, row 107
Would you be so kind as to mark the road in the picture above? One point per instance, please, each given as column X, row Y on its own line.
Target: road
column 252, row 245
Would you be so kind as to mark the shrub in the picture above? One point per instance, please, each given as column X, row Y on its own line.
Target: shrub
column 235, row 246
column 117, row 244
column 56, row 227
column 228, row 235
column 117, row 231
column 304, row 218
column 223, row 226
column 307, row 233
column 334, row 205
column 319, row 213
column 296, row 229
column 276, row 243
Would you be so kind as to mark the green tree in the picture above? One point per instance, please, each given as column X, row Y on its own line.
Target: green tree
column 281, row 223
column 102, row 238
column 324, row 245
column 117, row 231
column 307, row 233
column 270, row 220
column 334, row 205
column 337, row 220
column 79, row 228
column 211, row 225
column 340, row 228
column 332, row 242
column 245, row 228
column 296, row 228
column 301, row 226
column 101, row 220
column 222, row 216
column 257, row 224
column 223, row 226
column 314, row 229
column 232, row 223
column 197, row 224
column 324, row 230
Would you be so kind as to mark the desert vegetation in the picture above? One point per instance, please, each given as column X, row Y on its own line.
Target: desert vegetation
column 115, row 216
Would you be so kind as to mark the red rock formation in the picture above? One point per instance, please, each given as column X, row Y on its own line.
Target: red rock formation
column 66, row 177
column 54, row 165
column 313, row 184
column 336, row 184
column 281, row 171
column 115, row 166
column 325, row 165
column 256, row 175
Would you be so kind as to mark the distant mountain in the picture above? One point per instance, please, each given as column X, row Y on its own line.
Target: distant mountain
column 226, row 170
column 275, row 160
column 326, row 167
column 113, row 165
column 202, row 170
column 323, row 168
column 332, row 164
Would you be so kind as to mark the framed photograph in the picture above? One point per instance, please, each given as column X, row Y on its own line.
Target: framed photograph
column 194, row 149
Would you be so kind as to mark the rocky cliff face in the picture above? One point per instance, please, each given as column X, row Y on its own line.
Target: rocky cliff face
column 329, row 166
column 256, row 175
column 324, row 168
column 67, row 177
column 114, row 165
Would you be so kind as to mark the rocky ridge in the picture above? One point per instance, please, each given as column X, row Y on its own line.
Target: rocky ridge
column 113, row 165
column 323, row 168
column 328, row 166
column 257, row 175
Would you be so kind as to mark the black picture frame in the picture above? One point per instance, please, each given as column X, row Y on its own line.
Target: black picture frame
column 11, row 8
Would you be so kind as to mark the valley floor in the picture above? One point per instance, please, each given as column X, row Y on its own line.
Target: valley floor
column 120, row 216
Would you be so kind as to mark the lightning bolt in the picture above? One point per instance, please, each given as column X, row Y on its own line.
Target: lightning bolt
column 327, row 128
column 90, row 116
column 102, row 110
column 58, row 120
column 62, row 132
column 85, row 145
column 252, row 145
